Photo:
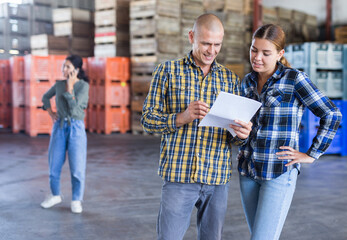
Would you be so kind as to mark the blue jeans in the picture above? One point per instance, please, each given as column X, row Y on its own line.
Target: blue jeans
column 73, row 139
column 177, row 203
column 266, row 204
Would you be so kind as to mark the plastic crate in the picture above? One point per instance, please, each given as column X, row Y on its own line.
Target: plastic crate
column 309, row 127
column 317, row 55
column 116, row 69
column 112, row 119
column 37, row 121
column 57, row 62
column 34, row 92
column 5, row 116
column 37, row 68
column 17, row 68
column 18, row 119
column 113, row 94
column 329, row 82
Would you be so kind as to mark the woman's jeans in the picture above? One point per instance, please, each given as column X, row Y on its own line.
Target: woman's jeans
column 177, row 203
column 71, row 138
column 266, row 204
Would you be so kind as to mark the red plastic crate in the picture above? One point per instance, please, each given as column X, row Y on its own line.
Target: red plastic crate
column 18, row 119
column 17, row 68
column 37, row 121
column 5, row 93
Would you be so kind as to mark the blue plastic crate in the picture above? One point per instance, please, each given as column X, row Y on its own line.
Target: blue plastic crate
column 309, row 127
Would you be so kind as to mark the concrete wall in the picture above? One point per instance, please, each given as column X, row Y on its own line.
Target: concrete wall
column 314, row 7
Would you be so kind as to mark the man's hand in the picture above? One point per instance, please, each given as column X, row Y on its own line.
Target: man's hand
column 195, row 110
column 243, row 130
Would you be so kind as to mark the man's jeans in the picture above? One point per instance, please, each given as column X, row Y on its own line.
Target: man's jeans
column 177, row 203
column 266, row 204
column 72, row 139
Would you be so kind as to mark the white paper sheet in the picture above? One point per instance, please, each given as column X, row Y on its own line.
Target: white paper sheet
column 227, row 108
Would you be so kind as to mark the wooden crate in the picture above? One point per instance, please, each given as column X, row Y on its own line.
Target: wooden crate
column 284, row 13
column 110, row 4
column 112, row 49
column 47, row 52
column 232, row 5
column 341, row 34
column 79, row 43
column 110, row 34
column 238, row 68
column 153, row 45
column 71, row 14
column 140, row 83
column 151, row 26
column 213, row 5
column 151, row 8
column 49, row 42
column 113, row 17
column 147, row 64
column 74, row 29
column 191, row 10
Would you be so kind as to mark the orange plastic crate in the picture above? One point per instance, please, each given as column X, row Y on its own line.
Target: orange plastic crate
column 4, row 70
column 93, row 89
column 113, row 94
column 37, row 68
column 117, row 68
column 5, row 93
column 92, row 118
column 17, row 68
column 37, row 121
column 113, row 120
column 5, row 116
column 18, row 119
column 34, row 90
column 18, row 93
column 57, row 62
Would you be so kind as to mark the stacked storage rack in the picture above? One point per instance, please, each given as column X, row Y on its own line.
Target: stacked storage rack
column 324, row 63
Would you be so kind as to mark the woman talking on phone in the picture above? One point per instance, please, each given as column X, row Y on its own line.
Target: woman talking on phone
column 68, row 133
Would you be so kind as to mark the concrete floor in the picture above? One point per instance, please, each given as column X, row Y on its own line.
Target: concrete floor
column 123, row 193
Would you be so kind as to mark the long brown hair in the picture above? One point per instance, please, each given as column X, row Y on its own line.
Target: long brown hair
column 274, row 34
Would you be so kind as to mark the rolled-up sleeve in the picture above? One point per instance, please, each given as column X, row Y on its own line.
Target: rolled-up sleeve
column 155, row 118
column 322, row 107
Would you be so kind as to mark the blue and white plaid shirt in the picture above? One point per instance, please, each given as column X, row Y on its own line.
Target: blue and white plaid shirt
column 277, row 123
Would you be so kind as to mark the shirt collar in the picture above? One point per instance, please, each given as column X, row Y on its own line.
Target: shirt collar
column 277, row 74
column 190, row 61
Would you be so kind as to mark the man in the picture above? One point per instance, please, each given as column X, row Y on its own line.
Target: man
column 195, row 161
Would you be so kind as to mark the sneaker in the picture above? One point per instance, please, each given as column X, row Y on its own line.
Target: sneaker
column 50, row 201
column 76, row 207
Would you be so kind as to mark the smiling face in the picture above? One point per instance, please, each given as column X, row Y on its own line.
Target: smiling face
column 264, row 56
column 206, row 45
column 67, row 68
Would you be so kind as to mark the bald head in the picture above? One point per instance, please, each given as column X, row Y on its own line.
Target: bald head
column 208, row 22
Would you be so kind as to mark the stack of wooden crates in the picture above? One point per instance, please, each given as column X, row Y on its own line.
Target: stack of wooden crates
column 73, row 34
column 154, row 38
column 111, row 28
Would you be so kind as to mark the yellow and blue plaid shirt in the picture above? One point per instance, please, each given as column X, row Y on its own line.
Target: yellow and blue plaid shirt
column 189, row 154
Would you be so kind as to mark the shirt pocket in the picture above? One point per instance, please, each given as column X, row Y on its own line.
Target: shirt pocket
column 182, row 93
column 277, row 96
column 274, row 97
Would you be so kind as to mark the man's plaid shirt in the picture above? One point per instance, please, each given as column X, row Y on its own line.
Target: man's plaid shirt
column 189, row 154
column 277, row 123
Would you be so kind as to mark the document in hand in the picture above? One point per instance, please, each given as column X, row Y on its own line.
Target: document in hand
column 227, row 108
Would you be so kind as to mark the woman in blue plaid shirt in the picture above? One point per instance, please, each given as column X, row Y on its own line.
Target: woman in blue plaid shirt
column 269, row 162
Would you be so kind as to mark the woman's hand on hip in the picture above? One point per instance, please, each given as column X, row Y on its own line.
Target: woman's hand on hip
column 294, row 155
